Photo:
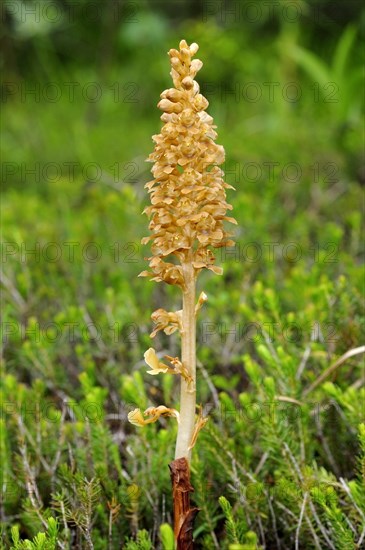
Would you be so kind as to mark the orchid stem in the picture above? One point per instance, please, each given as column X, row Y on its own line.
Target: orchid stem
column 188, row 357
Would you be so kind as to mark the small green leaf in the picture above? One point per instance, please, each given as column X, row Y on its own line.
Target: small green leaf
column 167, row 537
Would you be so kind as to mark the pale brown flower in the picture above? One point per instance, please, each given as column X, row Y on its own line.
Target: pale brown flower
column 158, row 367
column 188, row 195
column 179, row 368
column 136, row 417
column 168, row 321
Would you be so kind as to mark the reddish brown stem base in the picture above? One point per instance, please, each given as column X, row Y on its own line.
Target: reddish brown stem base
column 184, row 516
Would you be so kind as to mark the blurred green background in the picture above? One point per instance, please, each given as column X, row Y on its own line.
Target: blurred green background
column 80, row 84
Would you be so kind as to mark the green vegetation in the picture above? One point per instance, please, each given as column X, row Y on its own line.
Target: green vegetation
column 281, row 462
